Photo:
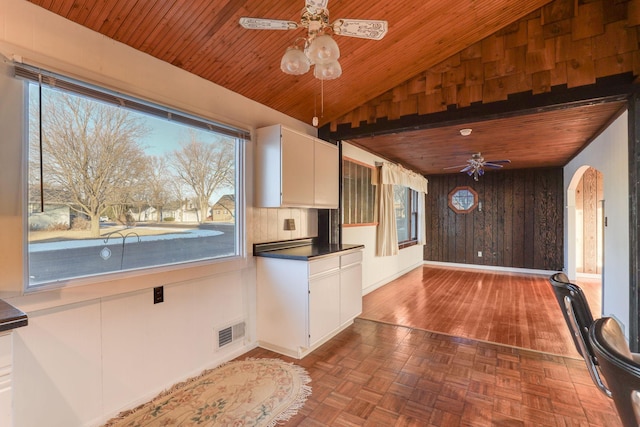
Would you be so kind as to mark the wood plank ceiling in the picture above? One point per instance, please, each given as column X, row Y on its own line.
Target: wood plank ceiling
column 559, row 135
column 437, row 55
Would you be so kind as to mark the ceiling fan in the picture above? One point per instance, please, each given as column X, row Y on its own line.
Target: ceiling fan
column 318, row 48
column 476, row 165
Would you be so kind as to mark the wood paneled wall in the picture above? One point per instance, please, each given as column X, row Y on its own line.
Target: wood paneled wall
column 520, row 223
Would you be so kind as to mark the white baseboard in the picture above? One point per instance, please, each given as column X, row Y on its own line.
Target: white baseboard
column 493, row 268
column 388, row 279
column 240, row 350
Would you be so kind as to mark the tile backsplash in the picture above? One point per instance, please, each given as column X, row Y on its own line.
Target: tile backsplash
column 269, row 224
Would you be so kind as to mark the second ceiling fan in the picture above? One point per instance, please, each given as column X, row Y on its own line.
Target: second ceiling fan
column 476, row 165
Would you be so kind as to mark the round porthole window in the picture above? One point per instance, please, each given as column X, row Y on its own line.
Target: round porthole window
column 463, row 199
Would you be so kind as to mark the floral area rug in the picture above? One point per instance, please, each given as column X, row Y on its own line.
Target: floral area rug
column 251, row 392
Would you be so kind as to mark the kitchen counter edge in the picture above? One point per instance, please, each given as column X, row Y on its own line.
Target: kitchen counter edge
column 309, row 252
column 11, row 317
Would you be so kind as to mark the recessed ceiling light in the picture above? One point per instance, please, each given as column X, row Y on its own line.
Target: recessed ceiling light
column 465, row 132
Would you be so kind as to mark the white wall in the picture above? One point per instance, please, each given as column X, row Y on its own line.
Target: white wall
column 92, row 350
column 377, row 271
column 608, row 153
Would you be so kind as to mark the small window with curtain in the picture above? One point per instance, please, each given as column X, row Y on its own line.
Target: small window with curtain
column 406, row 209
column 358, row 194
column 119, row 184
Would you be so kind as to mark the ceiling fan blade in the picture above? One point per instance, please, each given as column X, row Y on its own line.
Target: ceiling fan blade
column 455, row 167
column 362, row 28
column 267, row 24
column 314, row 5
column 496, row 164
column 469, row 169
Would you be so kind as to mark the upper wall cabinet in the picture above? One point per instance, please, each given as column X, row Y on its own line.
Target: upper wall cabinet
column 295, row 170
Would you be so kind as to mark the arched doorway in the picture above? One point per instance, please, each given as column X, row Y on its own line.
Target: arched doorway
column 585, row 204
column 589, row 223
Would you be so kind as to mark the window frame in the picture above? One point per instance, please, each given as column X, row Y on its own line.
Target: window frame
column 240, row 138
column 412, row 207
column 452, row 194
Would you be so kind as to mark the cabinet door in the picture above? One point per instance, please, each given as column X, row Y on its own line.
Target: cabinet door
column 297, row 169
column 326, row 175
column 5, row 379
column 324, row 306
column 350, row 292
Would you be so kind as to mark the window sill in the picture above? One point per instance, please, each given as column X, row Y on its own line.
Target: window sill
column 44, row 298
column 407, row 244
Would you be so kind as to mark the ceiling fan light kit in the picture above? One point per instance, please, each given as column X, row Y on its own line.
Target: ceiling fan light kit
column 319, row 50
column 329, row 71
column 323, row 49
column 295, row 61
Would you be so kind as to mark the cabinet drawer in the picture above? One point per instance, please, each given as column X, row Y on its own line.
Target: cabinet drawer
column 352, row 258
column 323, row 265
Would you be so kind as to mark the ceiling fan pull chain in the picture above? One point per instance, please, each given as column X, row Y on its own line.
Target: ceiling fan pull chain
column 314, row 122
column 322, row 98
column 315, row 114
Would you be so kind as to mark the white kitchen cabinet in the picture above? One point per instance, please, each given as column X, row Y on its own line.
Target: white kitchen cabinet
column 302, row 304
column 5, row 379
column 295, row 170
column 350, row 286
column 326, row 175
column 324, row 304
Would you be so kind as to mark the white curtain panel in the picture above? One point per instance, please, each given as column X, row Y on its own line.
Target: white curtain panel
column 387, row 234
column 422, row 218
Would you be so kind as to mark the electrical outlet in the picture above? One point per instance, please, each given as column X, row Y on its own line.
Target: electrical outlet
column 479, row 254
column 158, row 294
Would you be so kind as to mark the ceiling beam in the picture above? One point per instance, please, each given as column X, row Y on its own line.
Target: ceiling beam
column 606, row 89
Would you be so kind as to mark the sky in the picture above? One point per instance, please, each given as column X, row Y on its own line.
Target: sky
column 164, row 136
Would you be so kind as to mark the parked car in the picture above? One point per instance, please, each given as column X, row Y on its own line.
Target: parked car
column 104, row 218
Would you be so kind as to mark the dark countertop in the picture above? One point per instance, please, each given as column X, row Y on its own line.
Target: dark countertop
column 11, row 317
column 302, row 251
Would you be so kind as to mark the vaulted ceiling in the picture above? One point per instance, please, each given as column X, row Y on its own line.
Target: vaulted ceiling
column 441, row 62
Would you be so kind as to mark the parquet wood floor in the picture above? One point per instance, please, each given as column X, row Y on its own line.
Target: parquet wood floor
column 377, row 373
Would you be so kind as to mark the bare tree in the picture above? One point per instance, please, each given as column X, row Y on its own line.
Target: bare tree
column 158, row 185
column 91, row 153
column 205, row 167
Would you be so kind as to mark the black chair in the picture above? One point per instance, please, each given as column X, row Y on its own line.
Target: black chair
column 620, row 368
column 577, row 314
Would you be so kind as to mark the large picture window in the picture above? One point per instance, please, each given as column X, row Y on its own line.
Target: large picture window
column 118, row 184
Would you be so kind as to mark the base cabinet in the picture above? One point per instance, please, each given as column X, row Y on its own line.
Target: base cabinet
column 5, row 380
column 324, row 306
column 350, row 292
column 302, row 304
